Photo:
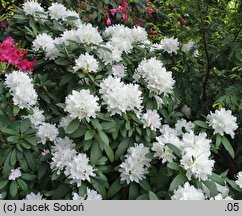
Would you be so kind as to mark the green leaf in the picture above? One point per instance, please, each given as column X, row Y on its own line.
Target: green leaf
column 216, row 178
column 233, row 185
column 89, row 135
column 13, row 139
column 228, row 146
column 25, row 124
column 73, row 126
column 3, row 184
column 145, row 185
column 103, row 137
column 60, row 192
column 174, row 166
column 114, row 189
column 9, row 131
column 180, row 179
column 96, row 124
column 13, row 189
column 95, row 153
column 122, row 147
column 152, row 196
column 175, row 150
column 133, row 191
column 62, row 61
column 201, row 124
column 218, row 140
column 212, row 188
column 13, row 158
column 109, row 152
column 22, row 184
column 28, row 177
column 31, row 160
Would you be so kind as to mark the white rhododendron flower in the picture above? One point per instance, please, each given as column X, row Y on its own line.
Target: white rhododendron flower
column 57, row 11
column 220, row 197
column 15, row 173
column 196, row 152
column 188, row 46
column 62, row 154
column 151, row 119
column 22, row 89
column 37, row 118
column 239, row 179
column 82, row 105
column 87, row 63
column 170, row 45
column 120, row 97
column 186, row 110
column 188, row 192
column 32, row 7
column 136, row 164
column 33, row 196
column 182, row 125
column 118, row 70
column 90, row 195
column 223, row 122
column 79, row 170
column 158, row 80
column 47, row 132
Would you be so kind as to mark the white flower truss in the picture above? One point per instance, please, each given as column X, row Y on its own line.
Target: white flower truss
column 136, row 164
column 169, row 45
column 79, row 170
column 32, row 7
column 120, row 97
column 82, row 105
column 87, row 63
column 90, row 195
column 33, row 196
column 22, row 89
column 223, row 122
column 151, row 119
column 47, row 132
column 37, row 118
column 188, row 192
column 239, row 179
column 15, row 173
column 155, row 75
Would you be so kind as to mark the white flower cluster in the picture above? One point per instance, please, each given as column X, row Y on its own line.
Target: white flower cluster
column 223, row 122
column 120, row 97
column 62, row 154
column 37, row 118
column 75, row 165
column 188, row 192
column 118, row 71
column 46, row 43
column 82, row 105
column 136, row 164
column 15, row 173
column 87, row 63
column 188, row 46
column 22, row 89
column 239, row 179
column 155, row 75
column 121, row 39
column 169, row 45
column 90, row 195
column 151, row 119
column 47, row 132
column 32, row 7
column 33, row 196
column 79, row 170
column 196, row 152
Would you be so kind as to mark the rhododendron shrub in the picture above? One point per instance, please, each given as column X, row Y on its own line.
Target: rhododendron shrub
column 99, row 117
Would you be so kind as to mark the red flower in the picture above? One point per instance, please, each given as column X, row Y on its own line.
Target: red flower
column 125, row 17
column 150, row 11
column 108, row 21
column 113, row 11
column 152, row 32
column 25, row 65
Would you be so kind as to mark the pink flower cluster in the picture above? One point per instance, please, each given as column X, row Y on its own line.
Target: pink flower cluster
column 121, row 9
column 10, row 53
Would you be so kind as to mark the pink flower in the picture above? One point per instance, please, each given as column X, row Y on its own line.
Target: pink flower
column 108, row 21
column 125, row 17
column 150, row 11
column 113, row 11
column 120, row 9
column 45, row 152
column 25, row 65
column 125, row 5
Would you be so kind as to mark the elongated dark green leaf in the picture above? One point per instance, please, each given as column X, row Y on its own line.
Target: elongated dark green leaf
column 103, row 137
column 114, row 189
column 73, row 126
column 228, row 146
column 180, row 179
column 152, row 196
column 13, row 189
